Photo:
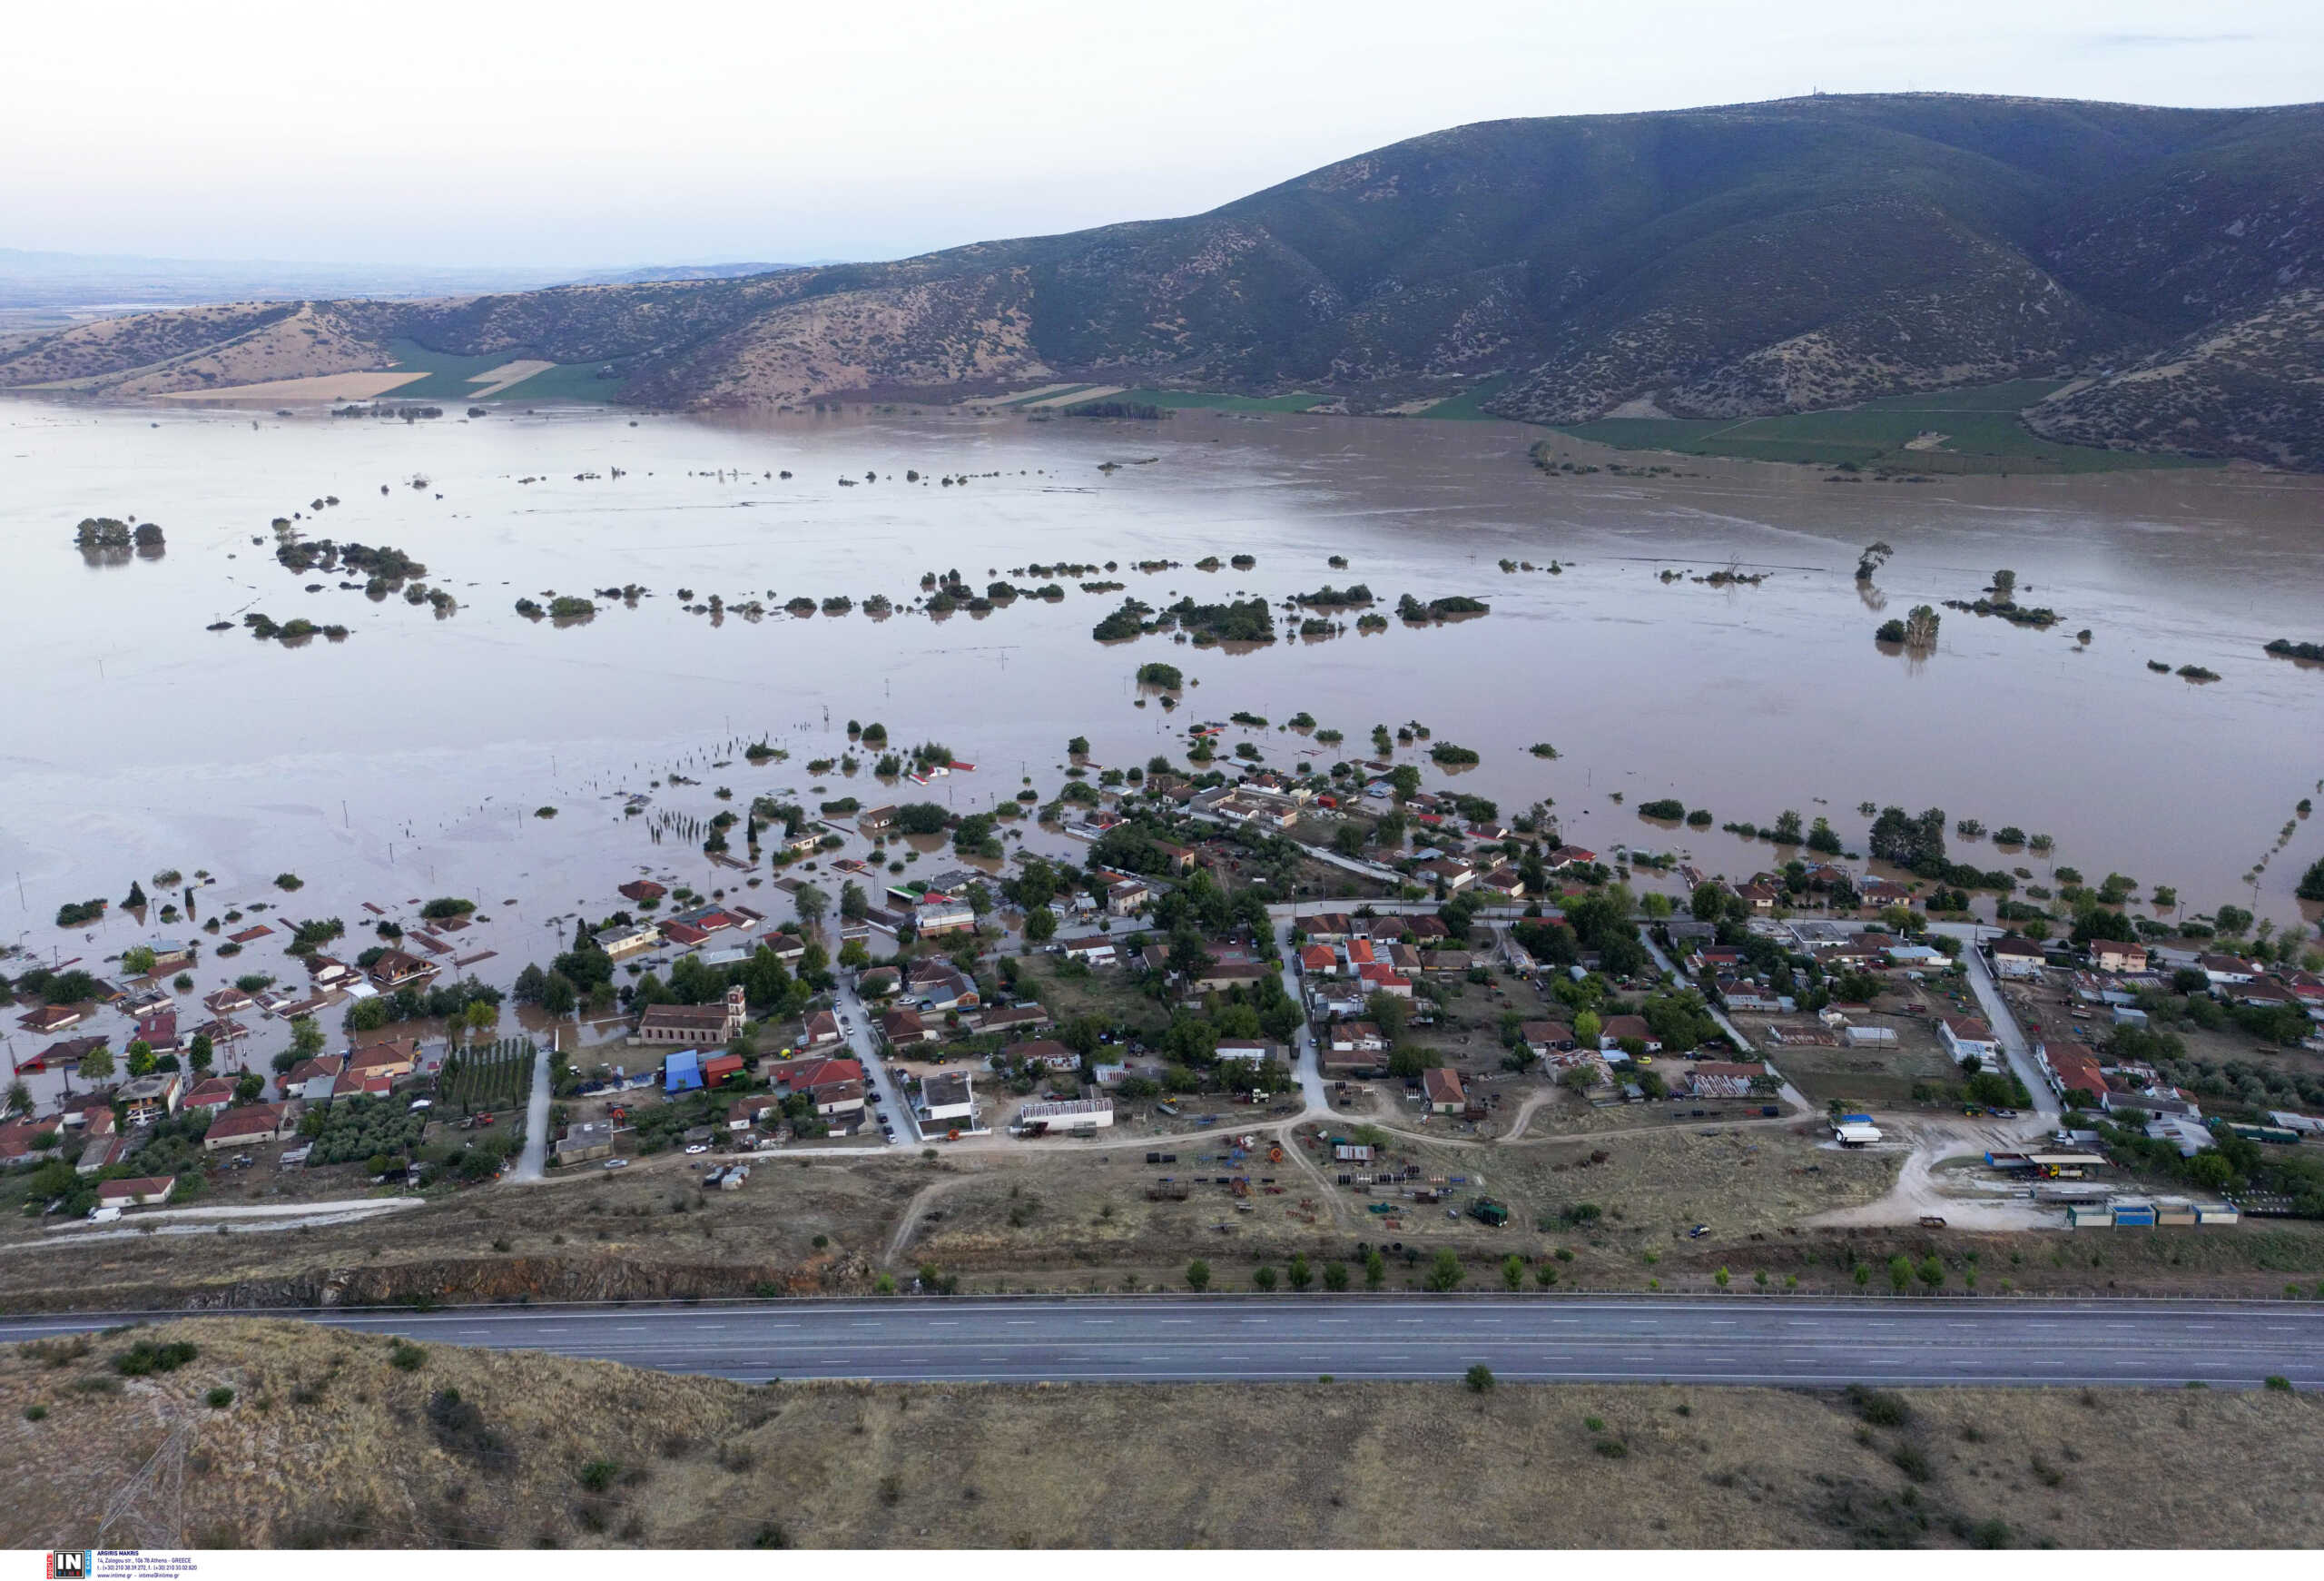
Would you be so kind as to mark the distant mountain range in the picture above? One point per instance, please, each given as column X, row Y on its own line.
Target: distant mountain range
column 34, row 279
column 1708, row 262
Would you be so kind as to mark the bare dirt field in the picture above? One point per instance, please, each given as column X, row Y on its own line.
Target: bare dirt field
column 324, row 1441
column 493, row 381
column 1868, row 1078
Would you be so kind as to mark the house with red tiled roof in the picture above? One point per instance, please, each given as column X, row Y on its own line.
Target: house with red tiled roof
column 903, row 1028
column 210, row 1095
column 254, row 1122
column 1616, row 1028
column 1504, row 882
column 394, row 1059
column 52, row 1018
column 1013, row 1018
column 2075, row 1068
column 1444, row 1093
column 20, row 1140
column 313, row 1079
column 226, row 1001
column 1544, row 1038
column 397, row 967
column 147, row 1190
column 812, row 1076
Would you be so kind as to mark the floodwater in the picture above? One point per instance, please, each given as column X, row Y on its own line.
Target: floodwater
column 408, row 760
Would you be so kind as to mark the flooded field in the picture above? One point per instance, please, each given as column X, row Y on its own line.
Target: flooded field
column 410, row 758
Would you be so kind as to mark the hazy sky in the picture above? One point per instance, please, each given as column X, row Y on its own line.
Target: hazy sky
column 429, row 132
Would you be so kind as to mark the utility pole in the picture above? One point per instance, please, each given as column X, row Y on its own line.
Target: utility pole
column 150, row 1509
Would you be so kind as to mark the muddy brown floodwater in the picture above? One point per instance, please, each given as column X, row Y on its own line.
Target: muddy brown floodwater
column 407, row 761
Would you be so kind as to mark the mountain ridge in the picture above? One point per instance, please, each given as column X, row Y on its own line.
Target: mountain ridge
column 1723, row 261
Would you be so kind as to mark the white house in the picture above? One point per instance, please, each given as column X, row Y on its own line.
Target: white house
column 2017, row 957
column 946, row 1098
column 1964, row 1035
column 1093, row 1113
column 136, row 1193
column 1128, row 896
column 626, row 939
column 942, row 913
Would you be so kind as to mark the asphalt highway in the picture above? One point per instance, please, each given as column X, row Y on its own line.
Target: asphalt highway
column 1740, row 1340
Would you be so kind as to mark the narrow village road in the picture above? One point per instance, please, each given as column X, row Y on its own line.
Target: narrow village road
column 1307, row 1062
column 855, row 1021
column 2013, row 1043
column 532, row 1163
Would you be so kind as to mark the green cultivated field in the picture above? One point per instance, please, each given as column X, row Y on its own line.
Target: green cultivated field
column 1980, row 428
column 1298, row 401
column 449, row 378
column 1469, row 405
column 567, row 381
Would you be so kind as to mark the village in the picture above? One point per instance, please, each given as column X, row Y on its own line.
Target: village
column 1310, row 1006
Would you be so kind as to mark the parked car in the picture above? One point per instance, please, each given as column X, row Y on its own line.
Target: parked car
column 616, row 1163
column 695, row 1148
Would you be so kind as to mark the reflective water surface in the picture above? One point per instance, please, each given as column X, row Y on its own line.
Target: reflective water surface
column 408, row 760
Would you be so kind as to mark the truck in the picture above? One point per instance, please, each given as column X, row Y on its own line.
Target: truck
column 1486, row 1210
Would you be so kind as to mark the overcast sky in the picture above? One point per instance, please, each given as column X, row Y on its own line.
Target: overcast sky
column 473, row 132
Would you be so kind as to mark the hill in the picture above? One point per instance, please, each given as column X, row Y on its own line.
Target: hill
column 1720, row 262
column 323, row 1439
